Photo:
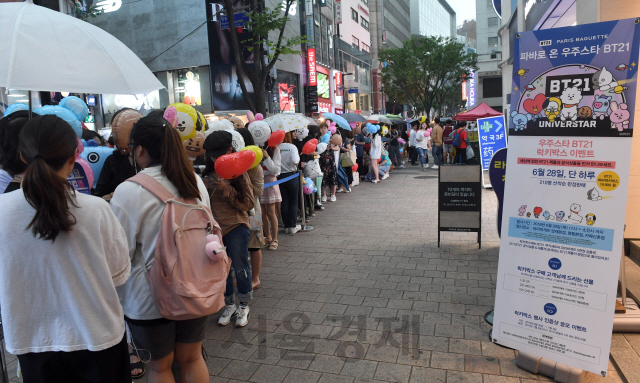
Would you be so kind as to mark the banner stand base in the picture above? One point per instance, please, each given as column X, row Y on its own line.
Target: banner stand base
column 558, row 371
column 485, row 184
column 307, row 228
column 628, row 321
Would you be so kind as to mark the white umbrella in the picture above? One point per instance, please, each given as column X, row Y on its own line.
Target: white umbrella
column 379, row 119
column 45, row 50
column 286, row 122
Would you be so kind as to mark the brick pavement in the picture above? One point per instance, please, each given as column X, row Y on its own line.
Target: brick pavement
column 369, row 297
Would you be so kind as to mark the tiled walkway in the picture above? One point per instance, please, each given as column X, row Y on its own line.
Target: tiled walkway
column 368, row 296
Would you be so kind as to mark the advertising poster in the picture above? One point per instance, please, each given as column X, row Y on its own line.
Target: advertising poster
column 492, row 136
column 225, row 85
column 570, row 133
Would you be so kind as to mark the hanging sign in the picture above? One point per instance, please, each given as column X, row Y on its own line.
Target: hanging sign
column 570, row 134
column 492, row 136
column 338, row 11
column 311, row 63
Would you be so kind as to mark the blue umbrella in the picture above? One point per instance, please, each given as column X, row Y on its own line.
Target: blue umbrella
column 341, row 122
column 342, row 177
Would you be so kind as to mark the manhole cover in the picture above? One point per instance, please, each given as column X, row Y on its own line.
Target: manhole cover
column 424, row 177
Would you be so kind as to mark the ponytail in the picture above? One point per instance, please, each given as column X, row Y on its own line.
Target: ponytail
column 47, row 143
column 176, row 166
column 164, row 145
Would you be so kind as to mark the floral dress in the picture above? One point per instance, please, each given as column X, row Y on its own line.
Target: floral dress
column 328, row 166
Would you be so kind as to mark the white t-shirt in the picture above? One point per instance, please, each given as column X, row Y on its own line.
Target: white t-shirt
column 289, row 158
column 5, row 179
column 412, row 138
column 61, row 295
column 376, row 147
column 423, row 142
column 140, row 214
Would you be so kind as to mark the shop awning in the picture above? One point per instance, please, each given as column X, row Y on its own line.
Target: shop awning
column 481, row 111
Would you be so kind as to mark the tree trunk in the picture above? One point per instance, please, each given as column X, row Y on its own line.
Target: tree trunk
column 260, row 98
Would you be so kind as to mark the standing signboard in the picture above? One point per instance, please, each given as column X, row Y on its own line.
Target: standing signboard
column 460, row 199
column 570, row 134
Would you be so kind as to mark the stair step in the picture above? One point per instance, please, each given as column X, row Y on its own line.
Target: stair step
column 633, row 278
column 625, row 357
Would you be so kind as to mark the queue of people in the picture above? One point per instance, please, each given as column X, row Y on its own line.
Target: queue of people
column 133, row 274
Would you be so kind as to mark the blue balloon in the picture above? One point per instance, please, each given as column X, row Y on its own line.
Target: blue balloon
column 14, row 108
column 64, row 114
column 76, row 106
column 95, row 156
column 326, row 138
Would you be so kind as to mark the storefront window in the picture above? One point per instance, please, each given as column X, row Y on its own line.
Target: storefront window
column 287, row 85
column 112, row 103
column 187, row 86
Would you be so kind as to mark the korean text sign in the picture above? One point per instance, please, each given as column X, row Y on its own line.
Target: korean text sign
column 570, row 133
column 493, row 137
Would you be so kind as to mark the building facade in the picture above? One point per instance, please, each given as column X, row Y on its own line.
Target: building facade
column 432, row 18
column 488, row 77
column 390, row 28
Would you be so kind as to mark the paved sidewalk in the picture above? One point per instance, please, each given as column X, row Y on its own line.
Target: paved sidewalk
column 368, row 296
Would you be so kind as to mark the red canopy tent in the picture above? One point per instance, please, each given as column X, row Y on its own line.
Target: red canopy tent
column 481, row 111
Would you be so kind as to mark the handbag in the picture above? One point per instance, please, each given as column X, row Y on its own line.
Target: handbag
column 470, row 152
column 312, row 169
column 348, row 159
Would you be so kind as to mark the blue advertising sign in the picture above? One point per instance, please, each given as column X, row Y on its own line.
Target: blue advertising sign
column 492, row 136
column 571, row 122
column 238, row 18
column 497, row 6
column 353, row 90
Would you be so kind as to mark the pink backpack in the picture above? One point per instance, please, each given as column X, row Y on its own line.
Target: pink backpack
column 185, row 282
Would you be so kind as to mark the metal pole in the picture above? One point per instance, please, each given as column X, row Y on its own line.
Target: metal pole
column 303, row 224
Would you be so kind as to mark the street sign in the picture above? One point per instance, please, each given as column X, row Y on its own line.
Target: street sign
column 239, row 18
column 492, row 137
column 353, row 90
column 460, row 199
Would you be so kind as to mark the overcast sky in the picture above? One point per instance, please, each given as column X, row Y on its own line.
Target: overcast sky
column 465, row 9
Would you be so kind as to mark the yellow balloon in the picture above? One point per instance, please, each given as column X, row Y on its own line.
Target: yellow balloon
column 257, row 151
column 385, row 131
column 422, row 119
column 186, row 120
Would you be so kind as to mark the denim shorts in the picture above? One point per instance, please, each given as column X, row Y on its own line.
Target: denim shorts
column 155, row 339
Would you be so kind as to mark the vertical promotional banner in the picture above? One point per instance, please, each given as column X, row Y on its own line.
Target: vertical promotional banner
column 338, row 11
column 492, row 137
column 225, row 85
column 570, row 133
column 311, row 65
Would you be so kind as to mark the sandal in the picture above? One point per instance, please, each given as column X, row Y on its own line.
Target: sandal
column 139, row 365
column 273, row 245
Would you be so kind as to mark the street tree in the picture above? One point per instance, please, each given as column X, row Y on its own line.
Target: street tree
column 265, row 51
column 426, row 69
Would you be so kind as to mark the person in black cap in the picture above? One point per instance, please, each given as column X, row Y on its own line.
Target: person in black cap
column 230, row 202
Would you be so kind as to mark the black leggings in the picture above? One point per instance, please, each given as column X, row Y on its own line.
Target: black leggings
column 290, row 192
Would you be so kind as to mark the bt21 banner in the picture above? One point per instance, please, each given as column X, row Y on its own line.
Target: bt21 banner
column 570, row 133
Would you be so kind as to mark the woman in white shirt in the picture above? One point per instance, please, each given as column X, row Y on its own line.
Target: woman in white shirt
column 290, row 189
column 157, row 149
column 424, row 145
column 63, row 254
column 376, row 153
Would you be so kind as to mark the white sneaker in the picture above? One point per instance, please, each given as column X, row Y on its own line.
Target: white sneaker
column 341, row 190
column 333, row 198
column 375, row 181
column 385, row 176
column 324, row 198
column 401, row 166
column 294, row 230
column 230, row 312
column 434, row 167
column 287, row 230
column 242, row 315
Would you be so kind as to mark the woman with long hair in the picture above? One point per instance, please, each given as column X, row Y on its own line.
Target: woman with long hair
column 231, row 200
column 270, row 195
column 376, row 154
column 63, row 254
column 255, row 221
column 157, row 149
column 290, row 158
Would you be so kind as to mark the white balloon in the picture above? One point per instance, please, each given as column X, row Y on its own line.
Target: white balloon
column 260, row 131
column 237, row 140
column 321, row 147
column 302, row 133
column 222, row 124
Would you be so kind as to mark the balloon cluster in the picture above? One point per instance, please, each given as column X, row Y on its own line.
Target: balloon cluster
column 372, row 129
column 259, row 129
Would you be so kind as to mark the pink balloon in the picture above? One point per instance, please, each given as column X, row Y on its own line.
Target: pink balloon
column 332, row 128
column 171, row 115
column 401, row 141
column 87, row 170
